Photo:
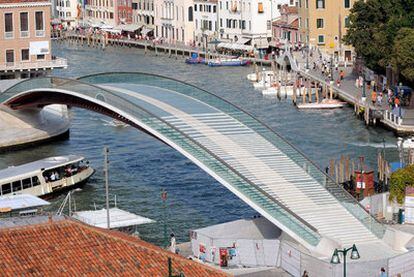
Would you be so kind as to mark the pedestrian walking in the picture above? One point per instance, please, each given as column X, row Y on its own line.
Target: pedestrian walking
column 379, row 99
column 383, row 273
column 373, row 97
column 341, row 74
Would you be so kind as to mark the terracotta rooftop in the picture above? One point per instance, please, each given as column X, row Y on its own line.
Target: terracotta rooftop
column 67, row 247
column 21, row 1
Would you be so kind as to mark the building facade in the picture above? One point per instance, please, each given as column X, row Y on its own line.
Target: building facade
column 174, row 21
column 205, row 20
column 248, row 21
column 123, row 11
column 324, row 23
column 25, row 39
column 285, row 29
column 143, row 15
column 68, row 11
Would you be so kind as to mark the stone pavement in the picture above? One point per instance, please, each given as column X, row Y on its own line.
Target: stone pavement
column 30, row 126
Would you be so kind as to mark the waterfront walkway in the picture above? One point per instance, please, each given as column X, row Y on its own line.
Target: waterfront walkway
column 240, row 152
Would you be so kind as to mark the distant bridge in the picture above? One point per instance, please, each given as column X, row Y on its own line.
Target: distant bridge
column 240, row 152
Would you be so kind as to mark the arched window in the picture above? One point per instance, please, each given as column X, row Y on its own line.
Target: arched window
column 190, row 14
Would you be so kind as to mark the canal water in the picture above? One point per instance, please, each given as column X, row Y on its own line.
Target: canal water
column 140, row 166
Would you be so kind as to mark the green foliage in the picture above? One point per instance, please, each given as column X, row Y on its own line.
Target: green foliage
column 378, row 31
column 401, row 179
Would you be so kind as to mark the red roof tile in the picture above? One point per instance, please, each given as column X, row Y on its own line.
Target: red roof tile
column 67, row 247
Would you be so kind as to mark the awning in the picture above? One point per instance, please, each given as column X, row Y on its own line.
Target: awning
column 112, row 31
column 243, row 40
column 128, row 27
column 235, row 46
column 105, row 26
column 145, row 31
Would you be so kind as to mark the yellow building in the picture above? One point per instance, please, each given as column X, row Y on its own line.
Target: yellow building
column 324, row 23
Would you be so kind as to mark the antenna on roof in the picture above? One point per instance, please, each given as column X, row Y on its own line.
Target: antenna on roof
column 106, row 162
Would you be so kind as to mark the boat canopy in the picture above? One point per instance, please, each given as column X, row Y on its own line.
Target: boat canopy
column 20, row 201
column 13, row 172
column 146, row 31
column 118, row 218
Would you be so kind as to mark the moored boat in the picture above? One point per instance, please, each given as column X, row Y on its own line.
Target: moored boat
column 324, row 104
column 45, row 177
column 228, row 62
column 197, row 60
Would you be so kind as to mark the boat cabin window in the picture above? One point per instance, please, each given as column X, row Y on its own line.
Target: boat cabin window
column 5, row 188
column 35, row 181
column 27, row 183
column 58, row 173
column 16, row 186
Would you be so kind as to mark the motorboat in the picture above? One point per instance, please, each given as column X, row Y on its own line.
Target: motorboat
column 285, row 90
column 45, row 177
column 324, row 104
column 228, row 62
column 407, row 143
column 197, row 60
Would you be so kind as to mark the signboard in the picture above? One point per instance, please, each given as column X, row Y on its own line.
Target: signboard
column 39, row 48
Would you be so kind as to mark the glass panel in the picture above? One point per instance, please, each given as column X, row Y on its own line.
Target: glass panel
column 16, row 186
column 25, row 54
column 35, row 181
column 5, row 189
column 27, row 183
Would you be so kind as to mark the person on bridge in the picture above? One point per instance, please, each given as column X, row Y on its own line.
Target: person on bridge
column 341, row 74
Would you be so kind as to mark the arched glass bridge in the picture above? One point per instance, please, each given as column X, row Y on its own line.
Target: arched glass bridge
column 241, row 153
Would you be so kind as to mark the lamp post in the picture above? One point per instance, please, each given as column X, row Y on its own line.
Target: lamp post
column 335, row 256
column 331, row 65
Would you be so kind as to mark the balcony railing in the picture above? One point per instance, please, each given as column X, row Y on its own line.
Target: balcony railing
column 55, row 63
column 40, row 33
column 24, row 34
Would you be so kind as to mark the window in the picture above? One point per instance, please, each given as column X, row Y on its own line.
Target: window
column 40, row 26
column 320, row 4
column 6, row 188
column 260, row 7
column 319, row 23
column 214, row 9
column 347, row 4
column 9, row 56
column 35, row 181
column 221, row 22
column 27, row 183
column 40, row 57
column 16, row 186
column 25, row 55
column 347, row 21
column 24, row 24
column 190, row 14
column 195, row 7
column 227, row 5
column 8, row 25
column 221, row 6
column 321, row 39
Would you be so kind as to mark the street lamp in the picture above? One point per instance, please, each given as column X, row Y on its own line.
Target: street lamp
column 354, row 256
column 331, row 68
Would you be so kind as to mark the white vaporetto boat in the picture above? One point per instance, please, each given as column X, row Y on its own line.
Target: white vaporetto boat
column 285, row 90
column 45, row 177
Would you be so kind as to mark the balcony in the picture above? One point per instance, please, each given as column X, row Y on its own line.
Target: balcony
column 19, row 66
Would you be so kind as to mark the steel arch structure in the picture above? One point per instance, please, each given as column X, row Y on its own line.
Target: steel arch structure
column 240, row 152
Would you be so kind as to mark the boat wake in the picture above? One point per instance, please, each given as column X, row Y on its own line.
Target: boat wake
column 373, row 144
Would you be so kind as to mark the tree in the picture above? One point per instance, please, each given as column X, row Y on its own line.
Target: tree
column 403, row 53
column 401, row 179
column 378, row 32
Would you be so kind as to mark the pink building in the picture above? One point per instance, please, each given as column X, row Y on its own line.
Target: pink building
column 286, row 27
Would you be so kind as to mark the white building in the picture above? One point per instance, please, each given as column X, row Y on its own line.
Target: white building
column 68, row 11
column 143, row 15
column 174, row 20
column 248, row 21
column 205, row 20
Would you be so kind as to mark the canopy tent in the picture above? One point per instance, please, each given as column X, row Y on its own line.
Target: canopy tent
column 112, row 31
column 235, row 46
column 243, row 40
column 128, row 27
